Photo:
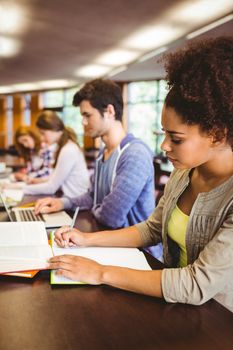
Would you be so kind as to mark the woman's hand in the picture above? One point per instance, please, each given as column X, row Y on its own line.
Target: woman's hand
column 36, row 180
column 77, row 268
column 66, row 237
column 20, row 177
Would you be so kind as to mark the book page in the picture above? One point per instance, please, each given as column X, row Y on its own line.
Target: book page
column 22, row 265
column 25, row 253
column 24, row 258
column 23, row 246
column 123, row 257
column 22, row 233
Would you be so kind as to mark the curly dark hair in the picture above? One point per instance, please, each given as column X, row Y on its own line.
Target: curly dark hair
column 100, row 93
column 200, row 80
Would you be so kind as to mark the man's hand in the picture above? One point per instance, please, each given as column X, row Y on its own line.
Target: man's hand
column 48, row 205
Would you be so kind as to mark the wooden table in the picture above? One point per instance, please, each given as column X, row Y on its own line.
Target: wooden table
column 36, row 315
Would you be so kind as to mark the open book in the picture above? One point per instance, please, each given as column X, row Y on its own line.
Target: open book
column 23, row 246
column 124, row 257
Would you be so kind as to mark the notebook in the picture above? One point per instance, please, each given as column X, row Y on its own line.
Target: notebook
column 124, row 257
column 52, row 220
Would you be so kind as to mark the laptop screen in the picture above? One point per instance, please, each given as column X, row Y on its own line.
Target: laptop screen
column 6, row 206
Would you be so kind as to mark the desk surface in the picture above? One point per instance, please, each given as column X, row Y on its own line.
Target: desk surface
column 36, row 315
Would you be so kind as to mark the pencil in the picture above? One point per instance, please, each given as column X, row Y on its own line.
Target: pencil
column 74, row 217
column 31, row 204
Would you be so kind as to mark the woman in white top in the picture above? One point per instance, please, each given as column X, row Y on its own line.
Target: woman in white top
column 70, row 171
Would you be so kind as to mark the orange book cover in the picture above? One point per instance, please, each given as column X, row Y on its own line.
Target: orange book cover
column 28, row 274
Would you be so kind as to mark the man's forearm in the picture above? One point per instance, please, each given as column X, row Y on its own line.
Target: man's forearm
column 84, row 202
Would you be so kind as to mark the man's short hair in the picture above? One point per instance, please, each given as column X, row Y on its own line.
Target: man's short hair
column 100, row 93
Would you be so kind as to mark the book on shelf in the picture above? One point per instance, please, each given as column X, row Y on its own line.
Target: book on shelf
column 124, row 257
column 23, row 247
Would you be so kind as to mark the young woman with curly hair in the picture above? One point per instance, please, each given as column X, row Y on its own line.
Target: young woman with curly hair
column 194, row 218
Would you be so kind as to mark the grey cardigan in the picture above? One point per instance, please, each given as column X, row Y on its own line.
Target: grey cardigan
column 209, row 244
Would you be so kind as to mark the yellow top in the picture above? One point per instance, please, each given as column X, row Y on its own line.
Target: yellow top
column 177, row 226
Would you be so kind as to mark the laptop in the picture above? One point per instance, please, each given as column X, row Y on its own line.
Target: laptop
column 52, row 220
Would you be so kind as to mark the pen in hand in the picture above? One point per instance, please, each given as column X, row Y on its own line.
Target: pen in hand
column 63, row 242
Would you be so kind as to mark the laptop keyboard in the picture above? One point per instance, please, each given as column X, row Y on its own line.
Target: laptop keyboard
column 29, row 215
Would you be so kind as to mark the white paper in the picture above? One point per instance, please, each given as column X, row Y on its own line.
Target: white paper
column 22, row 265
column 123, row 257
column 27, row 252
column 23, row 246
column 22, row 233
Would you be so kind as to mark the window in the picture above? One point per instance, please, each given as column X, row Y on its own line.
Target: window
column 73, row 119
column 62, row 100
column 145, row 103
column 53, row 99
column 71, row 114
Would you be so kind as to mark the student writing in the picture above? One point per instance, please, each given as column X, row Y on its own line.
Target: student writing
column 194, row 218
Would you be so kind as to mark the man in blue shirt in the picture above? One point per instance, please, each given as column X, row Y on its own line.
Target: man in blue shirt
column 122, row 192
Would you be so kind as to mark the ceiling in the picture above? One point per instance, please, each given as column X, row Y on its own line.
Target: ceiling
column 153, row 68
column 58, row 37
